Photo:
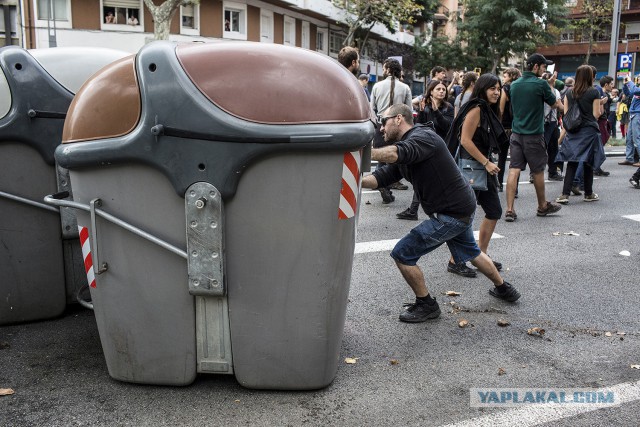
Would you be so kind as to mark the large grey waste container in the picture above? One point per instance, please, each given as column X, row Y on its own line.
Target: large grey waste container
column 40, row 250
column 254, row 150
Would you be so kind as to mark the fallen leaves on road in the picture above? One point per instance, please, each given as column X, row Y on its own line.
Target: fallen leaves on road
column 501, row 371
column 452, row 294
column 350, row 360
column 6, row 391
column 393, row 362
column 503, row 322
column 536, row 331
column 635, row 366
column 463, row 323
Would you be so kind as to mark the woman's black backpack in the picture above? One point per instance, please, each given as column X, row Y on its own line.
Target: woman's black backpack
column 572, row 119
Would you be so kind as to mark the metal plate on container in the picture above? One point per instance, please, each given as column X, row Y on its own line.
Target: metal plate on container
column 204, row 215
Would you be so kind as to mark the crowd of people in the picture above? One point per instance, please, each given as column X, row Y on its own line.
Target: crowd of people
column 536, row 120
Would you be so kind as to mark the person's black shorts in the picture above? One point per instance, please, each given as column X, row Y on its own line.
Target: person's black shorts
column 528, row 149
column 489, row 200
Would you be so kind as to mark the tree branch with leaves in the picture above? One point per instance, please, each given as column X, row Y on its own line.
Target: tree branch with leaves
column 360, row 16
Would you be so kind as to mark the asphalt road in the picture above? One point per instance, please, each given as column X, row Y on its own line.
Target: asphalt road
column 578, row 288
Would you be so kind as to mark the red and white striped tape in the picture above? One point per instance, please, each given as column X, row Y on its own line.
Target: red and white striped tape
column 350, row 185
column 86, row 255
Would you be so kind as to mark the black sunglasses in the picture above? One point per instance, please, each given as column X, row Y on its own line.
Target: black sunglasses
column 383, row 120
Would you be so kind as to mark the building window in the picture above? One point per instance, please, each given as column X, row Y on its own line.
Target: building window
column 8, row 35
column 566, row 36
column 57, row 10
column 289, row 31
column 304, row 34
column 321, row 40
column 122, row 13
column 336, row 41
column 266, row 26
column 190, row 19
column 235, row 21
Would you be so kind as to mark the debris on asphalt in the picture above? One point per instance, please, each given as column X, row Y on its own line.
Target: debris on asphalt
column 4, row 345
column 393, row 362
column 367, row 202
column 463, row 323
column 503, row 322
column 625, row 253
column 536, row 331
column 635, row 366
column 607, row 334
column 452, row 294
column 350, row 360
column 569, row 233
column 501, row 371
column 6, row 391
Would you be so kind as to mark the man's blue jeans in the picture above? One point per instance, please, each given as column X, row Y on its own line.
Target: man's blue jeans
column 633, row 137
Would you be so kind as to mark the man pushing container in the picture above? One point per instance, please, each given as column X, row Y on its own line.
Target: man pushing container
column 421, row 156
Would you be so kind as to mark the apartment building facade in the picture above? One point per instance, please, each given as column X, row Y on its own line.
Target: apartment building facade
column 127, row 25
column 571, row 48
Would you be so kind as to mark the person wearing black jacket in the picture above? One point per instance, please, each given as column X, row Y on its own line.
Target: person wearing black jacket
column 477, row 134
column 434, row 109
column 419, row 155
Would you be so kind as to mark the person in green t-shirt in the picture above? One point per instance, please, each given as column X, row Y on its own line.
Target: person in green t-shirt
column 527, row 146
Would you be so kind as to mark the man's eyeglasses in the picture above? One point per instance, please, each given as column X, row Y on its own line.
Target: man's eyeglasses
column 383, row 120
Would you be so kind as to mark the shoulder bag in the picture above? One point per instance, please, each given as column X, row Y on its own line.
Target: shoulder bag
column 473, row 172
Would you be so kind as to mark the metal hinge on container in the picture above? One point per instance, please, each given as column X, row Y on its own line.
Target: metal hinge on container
column 203, row 210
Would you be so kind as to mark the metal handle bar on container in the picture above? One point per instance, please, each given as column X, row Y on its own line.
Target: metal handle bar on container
column 56, row 199
column 28, row 201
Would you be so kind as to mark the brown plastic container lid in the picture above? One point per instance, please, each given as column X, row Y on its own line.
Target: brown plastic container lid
column 107, row 106
column 275, row 84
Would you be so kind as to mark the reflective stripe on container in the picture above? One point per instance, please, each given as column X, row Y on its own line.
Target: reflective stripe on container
column 86, row 255
column 350, row 185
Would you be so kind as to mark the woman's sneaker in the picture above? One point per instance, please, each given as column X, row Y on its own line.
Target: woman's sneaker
column 505, row 292
column 563, row 199
column 461, row 269
column 419, row 312
column 593, row 197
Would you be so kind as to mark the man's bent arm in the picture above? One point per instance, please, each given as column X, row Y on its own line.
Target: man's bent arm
column 388, row 154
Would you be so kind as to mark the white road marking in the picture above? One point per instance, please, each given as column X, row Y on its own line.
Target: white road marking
column 535, row 415
column 632, row 217
column 387, row 245
column 377, row 246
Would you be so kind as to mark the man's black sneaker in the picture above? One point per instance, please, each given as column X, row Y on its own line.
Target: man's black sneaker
column 387, row 196
column 600, row 172
column 407, row 214
column 461, row 269
column 634, row 183
column 420, row 312
column 497, row 264
column 556, row 177
column 505, row 292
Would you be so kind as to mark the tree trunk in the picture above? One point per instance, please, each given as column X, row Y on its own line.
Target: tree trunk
column 162, row 16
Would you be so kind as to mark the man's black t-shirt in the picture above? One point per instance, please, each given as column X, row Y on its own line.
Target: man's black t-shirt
column 425, row 161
